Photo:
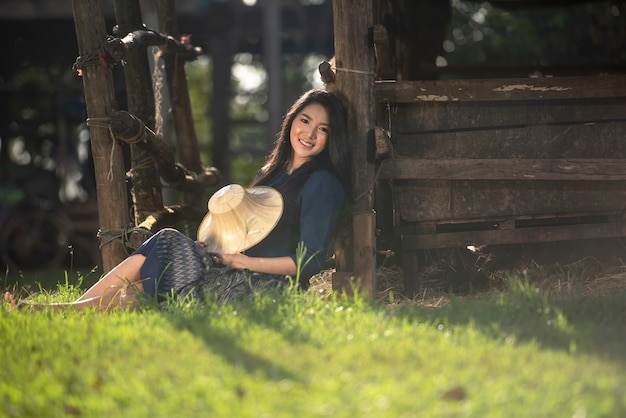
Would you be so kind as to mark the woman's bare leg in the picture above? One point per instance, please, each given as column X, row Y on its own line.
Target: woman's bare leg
column 124, row 274
column 117, row 288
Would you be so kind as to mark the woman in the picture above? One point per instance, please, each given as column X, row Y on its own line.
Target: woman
column 310, row 166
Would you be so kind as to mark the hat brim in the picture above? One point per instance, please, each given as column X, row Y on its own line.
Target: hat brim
column 235, row 231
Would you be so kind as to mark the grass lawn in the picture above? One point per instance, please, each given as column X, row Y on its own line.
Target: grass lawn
column 520, row 350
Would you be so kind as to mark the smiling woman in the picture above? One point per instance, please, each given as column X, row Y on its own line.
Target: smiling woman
column 310, row 167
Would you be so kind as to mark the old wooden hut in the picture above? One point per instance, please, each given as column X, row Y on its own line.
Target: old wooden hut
column 513, row 154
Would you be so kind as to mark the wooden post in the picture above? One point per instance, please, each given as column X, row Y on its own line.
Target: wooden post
column 186, row 139
column 222, row 54
column 273, row 61
column 107, row 155
column 354, row 60
column 146, row 190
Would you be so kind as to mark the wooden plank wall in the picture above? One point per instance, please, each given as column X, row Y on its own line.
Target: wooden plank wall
column 505, row 160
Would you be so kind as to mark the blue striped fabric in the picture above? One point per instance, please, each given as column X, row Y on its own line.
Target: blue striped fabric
column 176, row 265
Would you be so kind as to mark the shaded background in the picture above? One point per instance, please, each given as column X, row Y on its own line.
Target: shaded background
column 258, row 57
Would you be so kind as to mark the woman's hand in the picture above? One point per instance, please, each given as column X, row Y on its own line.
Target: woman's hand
column 239, row 261
column 229, row 260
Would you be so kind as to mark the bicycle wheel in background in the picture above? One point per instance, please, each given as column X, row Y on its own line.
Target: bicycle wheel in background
column 34, row 240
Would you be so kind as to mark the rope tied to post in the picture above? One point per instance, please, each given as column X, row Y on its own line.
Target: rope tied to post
column 121, row 235
column 140, row 135
column 94, row 58
column 105, row 122
column 143, row 169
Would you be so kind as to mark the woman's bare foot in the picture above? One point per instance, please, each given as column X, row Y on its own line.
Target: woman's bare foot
column 19, row 304
column 9, row 298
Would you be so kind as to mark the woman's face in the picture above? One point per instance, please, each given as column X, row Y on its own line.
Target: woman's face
column 309, row 134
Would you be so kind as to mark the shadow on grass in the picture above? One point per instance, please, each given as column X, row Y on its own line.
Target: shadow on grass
column 225, row 342
column 229, row 347
column 594, row 325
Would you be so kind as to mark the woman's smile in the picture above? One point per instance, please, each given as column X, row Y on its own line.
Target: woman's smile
column 305, row 143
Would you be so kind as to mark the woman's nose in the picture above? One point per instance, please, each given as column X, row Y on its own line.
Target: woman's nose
column 312, row 132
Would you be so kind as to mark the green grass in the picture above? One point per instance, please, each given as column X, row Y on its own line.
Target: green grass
column 49, row 280
column 515, row 353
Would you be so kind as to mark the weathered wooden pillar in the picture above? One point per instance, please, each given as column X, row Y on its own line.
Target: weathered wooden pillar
column 100, row 100
column 354, row 61
column 146, row 191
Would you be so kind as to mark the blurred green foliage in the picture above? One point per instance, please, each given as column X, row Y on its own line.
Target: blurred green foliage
column 579, row 34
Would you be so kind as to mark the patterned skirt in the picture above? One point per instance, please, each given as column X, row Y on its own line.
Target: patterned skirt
column 176, row 266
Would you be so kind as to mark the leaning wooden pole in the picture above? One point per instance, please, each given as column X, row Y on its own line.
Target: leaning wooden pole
column 353, row 21
column 186, row 139
column 146, row 186
column 107, row 154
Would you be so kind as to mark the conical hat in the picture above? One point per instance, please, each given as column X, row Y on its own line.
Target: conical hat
column 239, row 218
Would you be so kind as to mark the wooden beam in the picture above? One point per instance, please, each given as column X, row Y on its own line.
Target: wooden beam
column 364, row 251
column 364, row 227
column 613, row 86
column 513, row 236
column 100, row 98
column 273, row 61
column 354, row 62
column 384, row 58
column 598, row 169
column 128, row 128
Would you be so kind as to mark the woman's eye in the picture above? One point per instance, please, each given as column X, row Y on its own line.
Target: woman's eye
column 323, row 129
column 305, row 121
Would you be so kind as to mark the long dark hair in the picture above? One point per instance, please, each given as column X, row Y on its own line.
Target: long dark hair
column 336, row 157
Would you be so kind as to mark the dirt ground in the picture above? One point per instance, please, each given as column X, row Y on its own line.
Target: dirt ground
column 589, row 268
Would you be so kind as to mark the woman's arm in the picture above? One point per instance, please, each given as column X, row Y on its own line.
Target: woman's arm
column 271, row 265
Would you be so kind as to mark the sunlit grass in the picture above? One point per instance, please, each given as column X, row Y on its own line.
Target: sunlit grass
column 515, row 352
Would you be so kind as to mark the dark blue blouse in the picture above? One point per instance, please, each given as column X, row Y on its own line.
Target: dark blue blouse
column 309, row 218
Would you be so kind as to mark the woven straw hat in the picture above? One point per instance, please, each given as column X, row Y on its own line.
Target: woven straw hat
column 239, row 218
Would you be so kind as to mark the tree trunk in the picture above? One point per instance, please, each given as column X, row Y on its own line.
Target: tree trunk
column 146, row 188
column 107, row 155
